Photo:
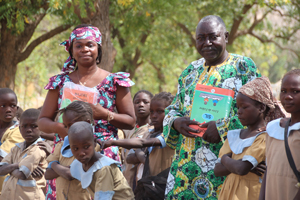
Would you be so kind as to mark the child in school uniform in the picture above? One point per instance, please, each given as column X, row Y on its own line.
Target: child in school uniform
column 9, row 127
column 280, row 182
column 141, row 103
column 97, row 173
column 158, row 156
column 22, row 160
column 62, row 157
column 244, row 149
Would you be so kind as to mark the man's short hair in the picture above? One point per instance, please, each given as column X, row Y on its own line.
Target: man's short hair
column 213, row 18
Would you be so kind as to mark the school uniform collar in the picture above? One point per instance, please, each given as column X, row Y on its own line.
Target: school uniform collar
column 274, row 129
column 22, row 145
column 237, row 144
column 16, row 124
column 65, row 150
column 86, row 177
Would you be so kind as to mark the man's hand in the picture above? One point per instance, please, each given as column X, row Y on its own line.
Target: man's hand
column 211, row 134
column 181, row 124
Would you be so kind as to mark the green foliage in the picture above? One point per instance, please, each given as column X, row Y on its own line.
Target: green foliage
column 151, row 29
column 46, row 60
column 18, row 13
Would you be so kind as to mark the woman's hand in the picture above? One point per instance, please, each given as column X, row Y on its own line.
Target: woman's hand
column 99, row 112
column 211, row 134
column 45, row 147
column 181, row 124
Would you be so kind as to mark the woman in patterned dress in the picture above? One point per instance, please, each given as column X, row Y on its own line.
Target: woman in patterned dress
column 84, row 47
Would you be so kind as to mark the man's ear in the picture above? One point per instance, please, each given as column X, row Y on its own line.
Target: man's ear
column 226, row 36
column 95, row 142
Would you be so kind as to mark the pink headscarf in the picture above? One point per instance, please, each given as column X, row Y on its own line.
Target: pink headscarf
column 89, row 32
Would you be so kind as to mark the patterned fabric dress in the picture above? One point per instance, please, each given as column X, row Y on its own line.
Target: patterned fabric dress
column 107, row 98
column 191, row 175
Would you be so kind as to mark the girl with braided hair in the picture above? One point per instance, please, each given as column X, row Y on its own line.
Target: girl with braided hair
column 62, row 157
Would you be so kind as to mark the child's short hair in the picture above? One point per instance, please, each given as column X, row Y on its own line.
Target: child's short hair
column 82, row 109
column 294, row 71
column 81, row 128
column 166, row 96
column 7, row 91
column 19, row 113
column 143, row 91
column 30, row 113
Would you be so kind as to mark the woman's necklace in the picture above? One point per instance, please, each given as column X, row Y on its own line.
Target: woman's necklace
column 83, row 84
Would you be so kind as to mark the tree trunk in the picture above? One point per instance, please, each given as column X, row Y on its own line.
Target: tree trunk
column 8, row 54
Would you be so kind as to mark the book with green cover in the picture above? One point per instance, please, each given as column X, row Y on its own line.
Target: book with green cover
column 211, row 103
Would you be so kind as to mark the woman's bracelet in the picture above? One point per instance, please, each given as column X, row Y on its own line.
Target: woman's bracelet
column 110, row 116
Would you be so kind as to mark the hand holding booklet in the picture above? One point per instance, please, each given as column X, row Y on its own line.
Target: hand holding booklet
column 210, row 104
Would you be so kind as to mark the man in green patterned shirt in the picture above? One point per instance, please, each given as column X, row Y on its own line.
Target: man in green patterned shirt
column 191, row 174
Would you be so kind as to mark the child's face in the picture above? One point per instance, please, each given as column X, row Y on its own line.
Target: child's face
column 8, row 107
column 29, row 129
column 248, row 110
column 142, row 105
column 290, row 93
column 157, row 114
column 82, row 147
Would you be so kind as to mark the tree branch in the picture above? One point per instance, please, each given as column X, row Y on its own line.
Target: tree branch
column 297, row 53
column 41, row 39
column 251, row 28
column 188, row 32
column 236, row 23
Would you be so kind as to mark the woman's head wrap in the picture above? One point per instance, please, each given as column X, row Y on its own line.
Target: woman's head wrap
column 89, row 32
column 260, row 90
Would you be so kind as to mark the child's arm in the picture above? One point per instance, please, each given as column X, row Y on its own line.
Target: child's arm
column 221, row 170
column 62, row 171
column 140, row 155
column 131, row 143
column 262, row 194
column 8, row 168
column 50, row 174
column 132, row 158
column 45, row 147
column 238, row 167
column 18, row 174
column 47, row 136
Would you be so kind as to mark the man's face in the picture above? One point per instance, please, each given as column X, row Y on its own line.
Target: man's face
column 211, row 40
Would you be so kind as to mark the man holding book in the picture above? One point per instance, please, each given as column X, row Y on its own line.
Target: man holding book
column 191, row 175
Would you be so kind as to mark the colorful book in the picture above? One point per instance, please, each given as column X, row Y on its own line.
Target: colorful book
column 210, row 104
column 74, row 92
